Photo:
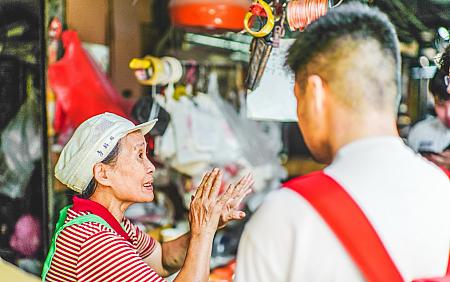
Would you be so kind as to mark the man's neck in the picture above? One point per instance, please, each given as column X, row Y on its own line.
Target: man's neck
column 350, row 129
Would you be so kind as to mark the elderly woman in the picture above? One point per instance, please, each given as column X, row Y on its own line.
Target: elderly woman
column 106, row 162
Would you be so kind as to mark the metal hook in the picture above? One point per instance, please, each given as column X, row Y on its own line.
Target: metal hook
column 336, row 5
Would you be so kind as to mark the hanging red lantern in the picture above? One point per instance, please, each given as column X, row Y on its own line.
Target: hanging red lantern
column 209, row 15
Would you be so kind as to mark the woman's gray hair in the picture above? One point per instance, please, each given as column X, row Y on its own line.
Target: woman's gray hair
column 109, row 160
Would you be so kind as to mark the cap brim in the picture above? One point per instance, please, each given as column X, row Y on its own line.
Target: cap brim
column 144, row 127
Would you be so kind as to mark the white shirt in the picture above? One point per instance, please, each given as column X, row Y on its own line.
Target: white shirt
column 429, row 135
column 406, row 198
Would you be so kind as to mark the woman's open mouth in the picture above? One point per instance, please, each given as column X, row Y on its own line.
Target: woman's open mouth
column 148, row 186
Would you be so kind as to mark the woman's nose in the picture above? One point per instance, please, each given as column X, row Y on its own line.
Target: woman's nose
column 150, row 167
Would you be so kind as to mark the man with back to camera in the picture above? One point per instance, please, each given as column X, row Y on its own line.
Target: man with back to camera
column 346, row 66
column 431, row 137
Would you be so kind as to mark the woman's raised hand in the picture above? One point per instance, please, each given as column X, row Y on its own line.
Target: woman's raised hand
column 206, row 205
column 237, row 192
column 209, row 211
column 206, row 209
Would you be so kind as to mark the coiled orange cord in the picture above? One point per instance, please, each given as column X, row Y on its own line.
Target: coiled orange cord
column 300, row 13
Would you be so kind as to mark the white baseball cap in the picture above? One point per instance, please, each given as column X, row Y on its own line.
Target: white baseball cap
column 91, row 142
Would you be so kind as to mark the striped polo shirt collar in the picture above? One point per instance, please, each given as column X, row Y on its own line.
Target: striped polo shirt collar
column 85, row 205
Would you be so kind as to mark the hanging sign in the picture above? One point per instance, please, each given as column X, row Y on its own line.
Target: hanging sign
column 274, row 98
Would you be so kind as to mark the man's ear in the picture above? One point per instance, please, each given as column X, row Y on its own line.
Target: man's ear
column 100, row 174
column 316, row 88
column 297, row 89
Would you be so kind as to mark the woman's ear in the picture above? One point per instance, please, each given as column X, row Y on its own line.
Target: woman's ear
column 100, row 174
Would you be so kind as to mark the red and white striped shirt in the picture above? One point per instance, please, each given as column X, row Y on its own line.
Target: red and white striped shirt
column 93, row 252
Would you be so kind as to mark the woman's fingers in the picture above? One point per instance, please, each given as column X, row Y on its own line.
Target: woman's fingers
column 244, row 194
column 241, row 181
column 216, row 186
column 209, row 187
column 200, row 187
column 209, row 183
column 238, row 185
column 237, row 215
column 244, row 182
column 242, row 189
column 227, row 195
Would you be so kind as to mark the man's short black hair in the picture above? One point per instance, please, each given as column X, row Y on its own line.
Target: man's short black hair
column 355, row 21
column 445, row 61
column 437, row 86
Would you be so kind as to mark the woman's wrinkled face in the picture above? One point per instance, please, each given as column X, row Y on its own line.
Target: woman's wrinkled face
column 132, row 175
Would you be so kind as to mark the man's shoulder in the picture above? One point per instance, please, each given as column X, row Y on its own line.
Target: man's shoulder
column 281, row 208
column 419, row 168
column 281, row 199
column 286, row 201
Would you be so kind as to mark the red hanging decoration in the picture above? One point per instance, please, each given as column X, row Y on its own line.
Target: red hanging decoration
column 208, row 15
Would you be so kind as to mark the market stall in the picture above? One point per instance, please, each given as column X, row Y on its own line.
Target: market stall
column 213, row 74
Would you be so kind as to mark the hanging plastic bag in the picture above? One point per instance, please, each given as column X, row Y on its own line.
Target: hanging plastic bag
column 26, row 238
column 81, row 88
column 194, row 134
column 224, row 146
column 252, row 141
column 20, row 147
column 11, row 90
column 257, row 149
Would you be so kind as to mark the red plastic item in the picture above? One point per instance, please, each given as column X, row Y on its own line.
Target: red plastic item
column 82, row 90
column 55, row 29
column 209, row 14
column 224, row 273
column 258, row 10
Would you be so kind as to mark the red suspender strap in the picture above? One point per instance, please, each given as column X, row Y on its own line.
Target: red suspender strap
column 445, row 170
column 448, row 265
column 349, row 223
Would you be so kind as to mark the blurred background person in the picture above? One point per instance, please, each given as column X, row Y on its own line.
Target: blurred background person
column 431, row 137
